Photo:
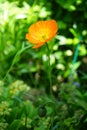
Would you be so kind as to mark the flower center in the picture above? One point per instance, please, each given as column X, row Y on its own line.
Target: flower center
column 43, row 37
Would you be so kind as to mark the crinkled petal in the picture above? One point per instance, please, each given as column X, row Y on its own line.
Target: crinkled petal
column 32, row 39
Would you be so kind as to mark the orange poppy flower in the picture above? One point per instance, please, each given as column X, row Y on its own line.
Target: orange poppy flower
column 42, row 32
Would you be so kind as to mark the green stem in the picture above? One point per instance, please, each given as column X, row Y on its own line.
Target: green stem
column 24, row 108
column 49, row 72
column 75, row 56
column 15, row 60
column 25, row 116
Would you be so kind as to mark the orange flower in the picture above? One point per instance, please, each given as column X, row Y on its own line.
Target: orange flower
column 42, row 32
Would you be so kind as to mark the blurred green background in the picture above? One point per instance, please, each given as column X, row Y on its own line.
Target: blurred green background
column 17, row 16
column 23, row 66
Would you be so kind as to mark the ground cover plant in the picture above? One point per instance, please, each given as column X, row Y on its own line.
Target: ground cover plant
column 43, row 59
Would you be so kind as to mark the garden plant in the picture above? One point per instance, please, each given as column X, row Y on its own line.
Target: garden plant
column 43, row 65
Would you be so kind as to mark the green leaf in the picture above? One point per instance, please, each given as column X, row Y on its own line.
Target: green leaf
column 15, row 125
column 82, row 104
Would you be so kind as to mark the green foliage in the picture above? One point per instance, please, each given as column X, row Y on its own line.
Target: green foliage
column 25, row 101
column 69, row 5
column 15, row 125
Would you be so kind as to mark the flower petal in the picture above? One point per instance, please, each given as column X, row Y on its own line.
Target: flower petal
column 33, row 39
column 38, row 45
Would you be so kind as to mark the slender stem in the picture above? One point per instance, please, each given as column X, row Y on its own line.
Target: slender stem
column 49, row 70
column 14, row 60
column 75, row 55
column 25, row 116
